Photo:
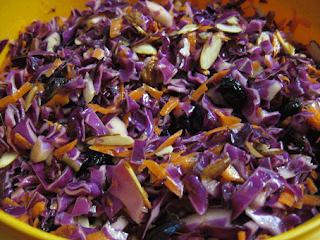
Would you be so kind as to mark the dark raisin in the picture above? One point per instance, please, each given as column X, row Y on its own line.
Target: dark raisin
column 293, row 141
column 54, row 85
column 233, row 92
column 49, row 225
column 292, row 107
column 163, row 231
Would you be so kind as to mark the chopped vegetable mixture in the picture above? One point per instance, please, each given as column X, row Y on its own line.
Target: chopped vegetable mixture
column 149, row 121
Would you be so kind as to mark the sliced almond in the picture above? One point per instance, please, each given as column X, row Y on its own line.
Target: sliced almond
column 287, row 46
column 229, row 28
column 88, row 92
column 160, row 14
column 215, row 169
column 116, row 126
column 233, row 20
column 164, row 151
column 314, row 51
column 30, row 97
column 210, row 51
column 262, row 37
column 53, row 40
column 8, row 158
column 147, row 49
column 112, row 140
column 188, row 28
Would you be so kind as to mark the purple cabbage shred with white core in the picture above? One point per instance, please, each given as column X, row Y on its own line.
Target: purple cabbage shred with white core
column 149, row 121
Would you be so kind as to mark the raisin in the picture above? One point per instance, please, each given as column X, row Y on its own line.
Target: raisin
column 163, row 231
column 293, row 138
column 54, row 85
column 233, row 92
column 49, row 225
column 292, row 107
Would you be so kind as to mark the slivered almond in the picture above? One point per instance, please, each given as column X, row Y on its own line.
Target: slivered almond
column 287, row 46
column 8, row 158
column 188, row 28
column 147, row 49
column 160, row 14
column 30, row 97
column 164, row 151
column 210, row 51
column 88, row 92
column 233, row 20
column 112, row 140
column 229, row 28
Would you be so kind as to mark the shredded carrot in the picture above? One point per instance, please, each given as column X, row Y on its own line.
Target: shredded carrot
column 223, row 128
column 218, row 148
column 162, row 174
column 231, row 174
column 97, row 108
column 59, row 152
column 53, row 67
column 38, row 208
column 227, row 120
column 98, row 53
column 10, row 202
column 110, row 151
column 121, row 93
column 20, row 141
column 242, row 235
column 186, row 161
column 192, row 38
column 313, row 80
column 24, row 218
column 316, row 71
column 58, row 99
column 185, row 18
column 157, row 130
column 16, row 95
column 137, row 94
column 217, row 76
column 263, row 236
column 60, row 22
column 170, row 140
column 99, row 235
column 311, row 199
column 128, row 10
column 155, row 93
column 36, row 222
column 65, row 230
column 311, row 186
column 172, row 103
column 287, row 198
column 315, row 119
column 284, row 78
column 115, row 28
column 40, row 87
column 196, row 94
column 125, row 118
column 5, row 63
column 255, row 65
column 298, row 205
column 71, row 72
column 314, row 174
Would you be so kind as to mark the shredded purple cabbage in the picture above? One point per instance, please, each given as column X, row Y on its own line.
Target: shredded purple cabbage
column 89, row 105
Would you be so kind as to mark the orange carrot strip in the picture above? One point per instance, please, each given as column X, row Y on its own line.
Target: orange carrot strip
column 58, row 99
column 298, row 205
column 192, row 38
column 170, row 140
column 121, row 93
column 24, row 218
column 157, row 130
column 315, row 119
column 107, row 110
column 10, row 202
column 5, row 63
column 196, row 94
column 231, row 174
column 172, row 103
column 38, row 208
column 21, row 141
column 187, row 161
column 65, row 230
column 162, row 174
column 97, row 236
column 217, row 76
column 59, row 152
column 36, row 222
column 110, row 151
column 155, row 93
column 98, row 54
column 115, row 28
column 311, row 199
column 53, row 67
column 314, row 174
column 287, row 198
column 242, row 235
column 255, row 65
column 125, row 118
column 16, row 95
column 227, row 120
column 137, row 94
column 311, row 186
column 313, row 80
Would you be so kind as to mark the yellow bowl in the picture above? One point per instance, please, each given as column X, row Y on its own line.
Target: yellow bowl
column 16, row 15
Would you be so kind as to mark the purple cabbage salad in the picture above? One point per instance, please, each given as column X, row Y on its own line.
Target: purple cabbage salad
column 149, row 121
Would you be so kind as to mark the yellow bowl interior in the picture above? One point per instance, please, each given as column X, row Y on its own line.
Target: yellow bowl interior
column 16, row 15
